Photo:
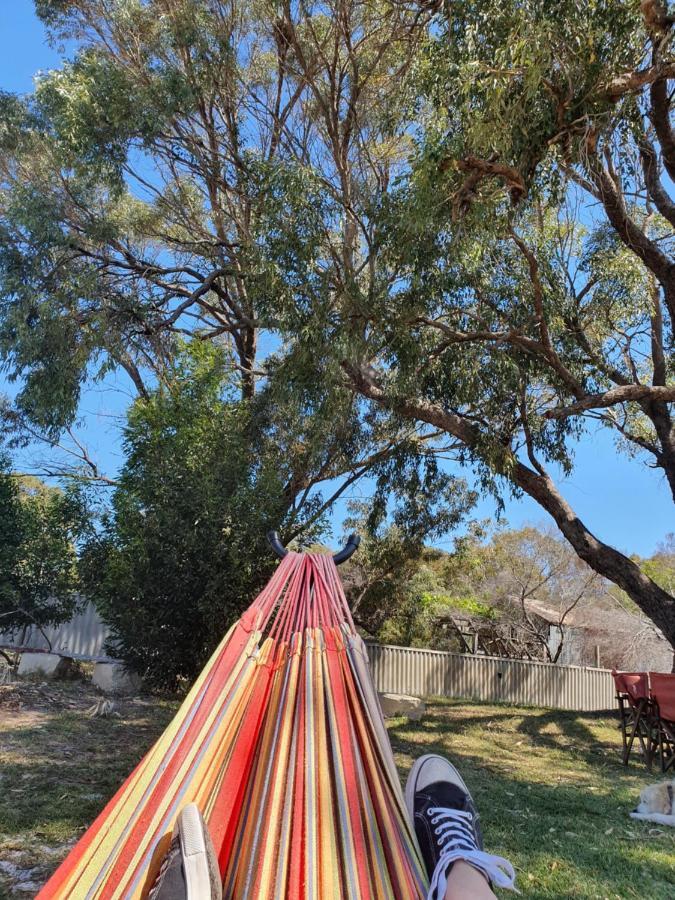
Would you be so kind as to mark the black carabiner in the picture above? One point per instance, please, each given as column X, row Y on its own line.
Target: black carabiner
column 341, row 556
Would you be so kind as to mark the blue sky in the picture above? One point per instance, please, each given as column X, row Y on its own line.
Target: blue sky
column 621, row 500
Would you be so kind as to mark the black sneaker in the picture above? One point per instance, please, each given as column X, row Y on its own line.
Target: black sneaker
column 190, row 869
column 447, row 825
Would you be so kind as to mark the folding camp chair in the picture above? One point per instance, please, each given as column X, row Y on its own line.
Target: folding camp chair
column 663, row 699
column 636, row 714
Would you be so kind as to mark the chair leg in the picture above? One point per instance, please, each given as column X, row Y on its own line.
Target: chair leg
column 667, row 742
column 636, row 731
column 623, row 724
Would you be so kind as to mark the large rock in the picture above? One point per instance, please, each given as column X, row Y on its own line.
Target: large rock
column 402, row 705
column 50, row 664
column 114, row 678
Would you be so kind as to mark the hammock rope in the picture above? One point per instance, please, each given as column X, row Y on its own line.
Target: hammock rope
column 282, row 745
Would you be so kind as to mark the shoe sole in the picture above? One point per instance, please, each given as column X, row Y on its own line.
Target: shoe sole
column 410, row 785
column 195, row 854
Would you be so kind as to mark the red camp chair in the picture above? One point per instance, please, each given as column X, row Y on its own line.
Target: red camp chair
column 663, row 699
column 636, row 713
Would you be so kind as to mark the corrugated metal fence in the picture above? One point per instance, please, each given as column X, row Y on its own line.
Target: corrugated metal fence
column 431, row 673
column 82, row 638
column 399, row 670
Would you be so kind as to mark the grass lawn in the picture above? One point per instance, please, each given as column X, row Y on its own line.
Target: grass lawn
column 552, row 793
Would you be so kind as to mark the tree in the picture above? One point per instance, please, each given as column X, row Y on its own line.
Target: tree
column 512, row 308
column 39, row 530
column 141, row 189
column 182, row 551
column 532, row 564
column 384, row 581
column 404, row 196
column 661, row 566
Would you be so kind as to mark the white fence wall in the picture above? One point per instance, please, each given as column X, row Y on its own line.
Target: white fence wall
column 426, row 673
column 82, row 638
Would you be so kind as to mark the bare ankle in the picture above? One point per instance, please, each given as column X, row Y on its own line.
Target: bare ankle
column 467, row 883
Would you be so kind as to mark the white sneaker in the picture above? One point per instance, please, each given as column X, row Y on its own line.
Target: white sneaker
column 190, row 868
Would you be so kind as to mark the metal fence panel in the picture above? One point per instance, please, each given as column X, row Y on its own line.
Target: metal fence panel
column 427, row 673
column 82, row 638
column 399, row 670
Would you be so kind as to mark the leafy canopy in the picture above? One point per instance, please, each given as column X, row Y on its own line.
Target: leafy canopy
column 39, row 530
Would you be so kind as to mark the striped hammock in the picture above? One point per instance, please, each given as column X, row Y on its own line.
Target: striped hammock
column 282, row 745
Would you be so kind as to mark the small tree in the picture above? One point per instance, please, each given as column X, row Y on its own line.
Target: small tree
column 387, row 580
column 182, row 551
column 39, row 527
column 534, row 565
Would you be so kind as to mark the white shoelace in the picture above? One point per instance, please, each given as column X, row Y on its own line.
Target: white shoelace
column 454, row 832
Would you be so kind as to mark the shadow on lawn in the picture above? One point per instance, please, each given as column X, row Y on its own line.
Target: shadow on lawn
column 566, row 732
column 575, row 733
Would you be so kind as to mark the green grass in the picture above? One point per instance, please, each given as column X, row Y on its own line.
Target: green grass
column 553, row 797
column 552, row 793
column 58, row 767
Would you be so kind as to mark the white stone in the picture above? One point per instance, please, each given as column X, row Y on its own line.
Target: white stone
column 44, row 664
column 27, row 887
column 402, row 705
column 114, row 678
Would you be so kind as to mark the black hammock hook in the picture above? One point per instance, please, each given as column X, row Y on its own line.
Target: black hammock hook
column 341, row 556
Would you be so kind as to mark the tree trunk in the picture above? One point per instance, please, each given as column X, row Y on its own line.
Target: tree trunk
column 659, row 413
column 656, row 603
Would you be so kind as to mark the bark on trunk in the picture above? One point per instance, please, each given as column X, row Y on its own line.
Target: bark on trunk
column 659, row 413
column 656, row 603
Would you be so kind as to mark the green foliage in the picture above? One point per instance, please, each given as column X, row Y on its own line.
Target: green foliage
column 387, row 580
column 470, row 605
column 183, row 551
column 39, row 528
column 510, row 63
column 419, row 614
column 404, row 229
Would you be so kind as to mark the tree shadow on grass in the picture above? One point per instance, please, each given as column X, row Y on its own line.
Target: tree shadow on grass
column 553, row 730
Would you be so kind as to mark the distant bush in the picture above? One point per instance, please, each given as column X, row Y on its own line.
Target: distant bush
column 469, row 605
column 39, row 528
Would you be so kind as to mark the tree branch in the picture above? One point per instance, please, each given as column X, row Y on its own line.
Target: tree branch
column 612, row 397
column 632, row 82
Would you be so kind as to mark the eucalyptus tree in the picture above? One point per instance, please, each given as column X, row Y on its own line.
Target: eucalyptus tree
column 450, row 218
column 140, row 185
column 531, row 252
column 515, row 279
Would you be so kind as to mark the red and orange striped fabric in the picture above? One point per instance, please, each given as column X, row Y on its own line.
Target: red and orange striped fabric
column 282, row 744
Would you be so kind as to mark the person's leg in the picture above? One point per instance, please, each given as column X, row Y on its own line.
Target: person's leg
column 448, row 832
column 465, row 882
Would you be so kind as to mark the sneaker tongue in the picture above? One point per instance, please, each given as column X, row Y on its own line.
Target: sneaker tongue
column 447, row 795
